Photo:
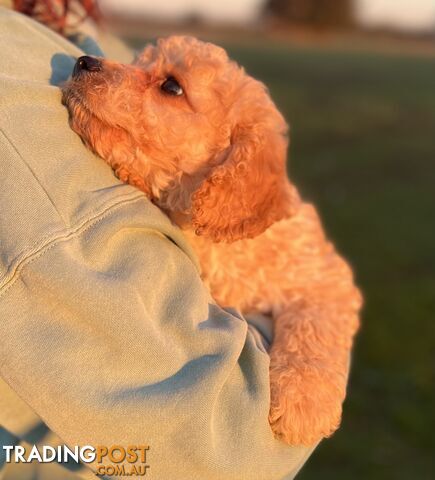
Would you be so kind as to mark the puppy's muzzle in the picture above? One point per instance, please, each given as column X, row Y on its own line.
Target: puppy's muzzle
column 86, row 64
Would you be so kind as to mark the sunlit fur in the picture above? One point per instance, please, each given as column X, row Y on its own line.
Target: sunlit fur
column 214, row 160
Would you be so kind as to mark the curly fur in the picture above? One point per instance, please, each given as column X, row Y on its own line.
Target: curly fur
column 214, row 160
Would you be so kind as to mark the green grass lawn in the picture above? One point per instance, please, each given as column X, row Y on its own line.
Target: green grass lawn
column 363, row 149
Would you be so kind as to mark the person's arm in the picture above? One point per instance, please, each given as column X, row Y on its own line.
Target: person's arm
column 112, row 339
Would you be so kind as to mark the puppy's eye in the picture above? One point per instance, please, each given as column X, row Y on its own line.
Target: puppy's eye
column 172, row 87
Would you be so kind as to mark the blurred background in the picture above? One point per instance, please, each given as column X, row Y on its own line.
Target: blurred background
column 356, row 81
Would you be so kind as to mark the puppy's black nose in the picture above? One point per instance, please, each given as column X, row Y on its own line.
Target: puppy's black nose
column 86, row 64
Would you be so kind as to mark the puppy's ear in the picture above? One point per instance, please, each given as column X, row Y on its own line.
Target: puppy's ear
column 249, row 191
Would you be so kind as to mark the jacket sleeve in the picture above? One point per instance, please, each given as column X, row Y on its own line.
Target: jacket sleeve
column 110, row 336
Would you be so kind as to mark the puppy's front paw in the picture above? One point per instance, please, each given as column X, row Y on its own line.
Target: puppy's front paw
column 306, row 402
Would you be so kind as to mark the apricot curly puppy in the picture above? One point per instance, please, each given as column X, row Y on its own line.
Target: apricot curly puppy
column 206, row 143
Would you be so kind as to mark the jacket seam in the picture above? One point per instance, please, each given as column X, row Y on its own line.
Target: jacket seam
column 29, row 256
column 17, row 152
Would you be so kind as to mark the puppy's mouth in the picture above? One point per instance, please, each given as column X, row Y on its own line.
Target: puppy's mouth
column 82, row 118
column 73, row 99
column 78, row 106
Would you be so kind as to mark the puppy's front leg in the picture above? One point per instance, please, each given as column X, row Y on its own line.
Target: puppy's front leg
column 313, row 338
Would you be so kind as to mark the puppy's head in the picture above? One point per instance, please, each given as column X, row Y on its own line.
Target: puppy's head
column 193, row 130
